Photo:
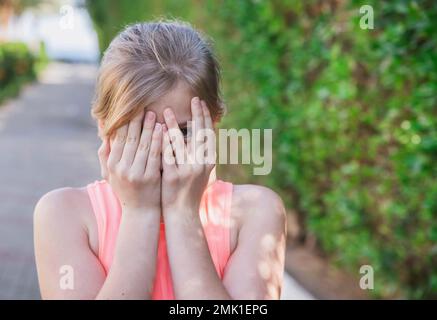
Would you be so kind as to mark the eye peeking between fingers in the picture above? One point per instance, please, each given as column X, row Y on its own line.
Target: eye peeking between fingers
column 185, row 132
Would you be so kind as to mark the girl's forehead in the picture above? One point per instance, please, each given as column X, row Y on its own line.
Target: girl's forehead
column 178, row 99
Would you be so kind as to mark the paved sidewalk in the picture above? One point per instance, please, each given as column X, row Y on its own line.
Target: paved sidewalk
column 48, row 140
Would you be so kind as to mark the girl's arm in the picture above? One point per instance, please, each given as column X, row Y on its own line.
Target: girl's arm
column 255, row 269
column 133, row 269
column 61, row 232
column 67, row 267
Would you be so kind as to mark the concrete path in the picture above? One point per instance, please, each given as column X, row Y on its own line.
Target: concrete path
column 48, row 140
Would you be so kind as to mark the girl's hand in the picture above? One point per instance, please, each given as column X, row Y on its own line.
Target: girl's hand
column 186, row 168
column 131, row 163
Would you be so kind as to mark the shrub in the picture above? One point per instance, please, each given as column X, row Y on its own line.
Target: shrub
column 354, row 114
column 16, row 67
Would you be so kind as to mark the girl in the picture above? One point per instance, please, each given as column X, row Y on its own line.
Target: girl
column 158, row 227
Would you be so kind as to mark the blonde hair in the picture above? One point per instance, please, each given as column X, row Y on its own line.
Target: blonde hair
column 144, row 62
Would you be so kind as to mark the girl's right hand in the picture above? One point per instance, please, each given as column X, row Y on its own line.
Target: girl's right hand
column 131, row 163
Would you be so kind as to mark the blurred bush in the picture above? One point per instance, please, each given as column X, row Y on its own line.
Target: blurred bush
column 17, row 66
column 110, row 16
column 354, row 118
column 355, row 127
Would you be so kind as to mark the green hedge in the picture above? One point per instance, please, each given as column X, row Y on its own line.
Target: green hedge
column 355, row 127
column 110, row 16
column 17, row 66
column 354, row 114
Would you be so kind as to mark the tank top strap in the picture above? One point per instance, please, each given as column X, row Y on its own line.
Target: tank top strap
column 215, row 215
column 107, row 210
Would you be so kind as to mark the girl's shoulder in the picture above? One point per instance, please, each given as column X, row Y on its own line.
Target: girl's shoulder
column 64, row 202
column 257, row 203
column 65, row 209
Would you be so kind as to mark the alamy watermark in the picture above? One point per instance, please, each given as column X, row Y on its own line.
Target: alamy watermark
column 367, row 19
column 67, row 18
column 366, row 280
column 242, row 146
column 66, row 280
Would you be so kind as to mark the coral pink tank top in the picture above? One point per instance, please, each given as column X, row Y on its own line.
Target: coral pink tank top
column 215, row 209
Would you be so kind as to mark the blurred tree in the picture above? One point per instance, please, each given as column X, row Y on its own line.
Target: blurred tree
column 10, row 7
column 110, row 16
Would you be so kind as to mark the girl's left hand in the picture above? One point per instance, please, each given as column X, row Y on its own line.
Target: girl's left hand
column 186, row 166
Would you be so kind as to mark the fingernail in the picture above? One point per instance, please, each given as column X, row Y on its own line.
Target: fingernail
column 168, row 112
column 157, row 126
column 196, row 100
column 150, row 115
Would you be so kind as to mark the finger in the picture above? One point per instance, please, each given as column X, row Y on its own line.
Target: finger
column 206, row 116
column 103, row 154
column 176, row 136
column 117, row 146
column 133, row 137
column 168, row 158
column 154, row 159
column 140, row 160
column 210, row 135
column 197, row 131
column 197, row 120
